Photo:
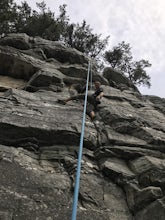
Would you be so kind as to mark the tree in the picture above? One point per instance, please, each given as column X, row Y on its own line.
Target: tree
column 7, row 16
column 81, row 37
column 120, row 57
column 23, row 15
column 63, row 22
column 36, row 23
column 138, row 75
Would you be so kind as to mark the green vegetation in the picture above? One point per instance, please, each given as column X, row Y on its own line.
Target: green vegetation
column 120, row 57
column 44, row 23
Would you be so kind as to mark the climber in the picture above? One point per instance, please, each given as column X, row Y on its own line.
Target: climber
column 93, row 100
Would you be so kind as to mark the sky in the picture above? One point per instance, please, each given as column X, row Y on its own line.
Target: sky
column 141, row 23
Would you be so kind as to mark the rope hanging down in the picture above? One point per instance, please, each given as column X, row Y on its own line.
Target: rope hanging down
column 77, row 183
column 90, row 77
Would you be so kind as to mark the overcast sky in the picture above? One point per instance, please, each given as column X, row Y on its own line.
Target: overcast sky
column 141, row 23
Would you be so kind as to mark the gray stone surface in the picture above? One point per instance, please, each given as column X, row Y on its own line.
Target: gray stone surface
column 123, row 164
column 155, row 210
column 119, row 79
column 147, row 195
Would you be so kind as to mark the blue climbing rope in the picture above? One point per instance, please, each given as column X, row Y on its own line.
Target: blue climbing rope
column 77, row 183
column 90, row 77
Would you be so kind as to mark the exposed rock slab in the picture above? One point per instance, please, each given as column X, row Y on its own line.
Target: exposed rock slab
column 155, row 210
column 123, row 171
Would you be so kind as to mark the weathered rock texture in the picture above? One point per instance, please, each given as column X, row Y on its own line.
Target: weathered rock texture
column 123, row 166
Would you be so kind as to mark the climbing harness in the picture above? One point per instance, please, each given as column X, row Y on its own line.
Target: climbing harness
column 78, row 173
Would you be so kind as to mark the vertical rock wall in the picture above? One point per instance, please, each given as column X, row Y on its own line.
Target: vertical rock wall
column 123, row 165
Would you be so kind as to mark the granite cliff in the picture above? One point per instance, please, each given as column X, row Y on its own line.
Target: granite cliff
column 123, row 166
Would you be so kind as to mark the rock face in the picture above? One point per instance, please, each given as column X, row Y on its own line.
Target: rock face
column 123, row 165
